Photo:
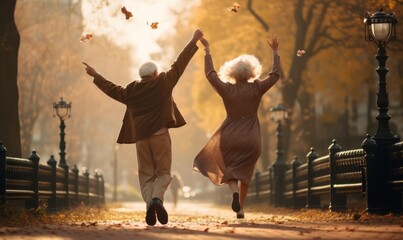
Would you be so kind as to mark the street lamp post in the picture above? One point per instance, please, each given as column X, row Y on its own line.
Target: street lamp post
column 380, row 28
column 278, row 115
column 62, row 110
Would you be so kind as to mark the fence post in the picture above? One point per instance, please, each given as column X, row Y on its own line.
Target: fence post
column 257, row 185
column 53, row 200
column 3, row 154
column 311, row 200
column 394, row 196
column 75, row 172
column 66, row 186
column 102, row 188
column 279, row 181
column 373, row 197
column 98, row 189
column 295, row 164
column 87, row 185
column 34, row 158
column 337, row 201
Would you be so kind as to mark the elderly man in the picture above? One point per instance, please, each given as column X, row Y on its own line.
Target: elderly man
column 150, row 112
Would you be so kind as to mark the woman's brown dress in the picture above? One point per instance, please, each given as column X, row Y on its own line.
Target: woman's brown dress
column 233, row 150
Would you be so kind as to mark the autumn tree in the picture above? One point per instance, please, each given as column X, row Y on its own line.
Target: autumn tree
column 50, row 68
column 330, row 32
column 9, row 46
column 48, row 52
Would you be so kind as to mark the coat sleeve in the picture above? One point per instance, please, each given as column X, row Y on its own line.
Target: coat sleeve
column 273, row 77
column 212, row 76
column 179, row 66
column 109, row 88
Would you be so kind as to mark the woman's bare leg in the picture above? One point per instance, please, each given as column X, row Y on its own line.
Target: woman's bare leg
column 243, row 193
column 233, row 185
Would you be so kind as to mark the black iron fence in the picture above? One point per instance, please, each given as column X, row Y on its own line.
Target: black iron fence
column 329, row 180
column 33, row 183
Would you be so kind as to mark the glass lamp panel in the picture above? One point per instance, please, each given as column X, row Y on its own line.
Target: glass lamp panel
column 62, row 112
column 381, row 31
column 277, row 116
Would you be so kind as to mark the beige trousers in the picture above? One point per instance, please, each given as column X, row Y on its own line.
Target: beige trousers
column 154, row 158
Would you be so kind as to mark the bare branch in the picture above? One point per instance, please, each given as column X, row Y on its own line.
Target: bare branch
column 319, row 29
column 321, row 47
column 264, row 24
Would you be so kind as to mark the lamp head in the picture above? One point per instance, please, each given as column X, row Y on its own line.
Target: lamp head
column 380, row 27
column 278, row 113
column 62, row 109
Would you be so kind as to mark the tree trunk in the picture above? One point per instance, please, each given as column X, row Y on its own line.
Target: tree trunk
column 289, row 95
column 308, row 119
column 9, row 45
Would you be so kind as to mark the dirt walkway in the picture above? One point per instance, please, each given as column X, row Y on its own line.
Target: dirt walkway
column 201, row 221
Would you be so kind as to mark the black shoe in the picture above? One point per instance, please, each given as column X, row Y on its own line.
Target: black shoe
column 240, row 215
column 150, row 216
column 236, row 207
column 162, row 214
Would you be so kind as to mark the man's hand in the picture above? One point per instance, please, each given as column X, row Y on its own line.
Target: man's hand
column 90, row 70
column 274, row 42
column 197, row 35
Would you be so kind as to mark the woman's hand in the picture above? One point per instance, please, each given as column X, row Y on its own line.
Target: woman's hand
column 204, row 42
column 273, row 42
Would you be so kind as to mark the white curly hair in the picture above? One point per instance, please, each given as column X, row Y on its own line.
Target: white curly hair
column 244, row 68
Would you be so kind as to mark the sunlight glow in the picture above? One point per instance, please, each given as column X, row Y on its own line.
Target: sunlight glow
column 135, row 34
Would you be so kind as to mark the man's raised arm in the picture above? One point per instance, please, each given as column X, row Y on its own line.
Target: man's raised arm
column 181, row 62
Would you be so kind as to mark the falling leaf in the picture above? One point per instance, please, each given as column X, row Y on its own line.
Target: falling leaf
column 86, row 37
column 235, row 7
column 128, row 14
column 153, row 25
column 300, row 53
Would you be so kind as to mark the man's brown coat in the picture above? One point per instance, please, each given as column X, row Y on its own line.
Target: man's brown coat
column 149, row 102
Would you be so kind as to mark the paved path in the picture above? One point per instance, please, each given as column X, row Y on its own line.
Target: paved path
column 203, row 221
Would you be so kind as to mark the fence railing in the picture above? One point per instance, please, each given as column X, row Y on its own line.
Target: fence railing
column 33, row 183
column 328, row 180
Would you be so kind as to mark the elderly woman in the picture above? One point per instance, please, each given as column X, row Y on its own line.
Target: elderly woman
column 230, row 155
